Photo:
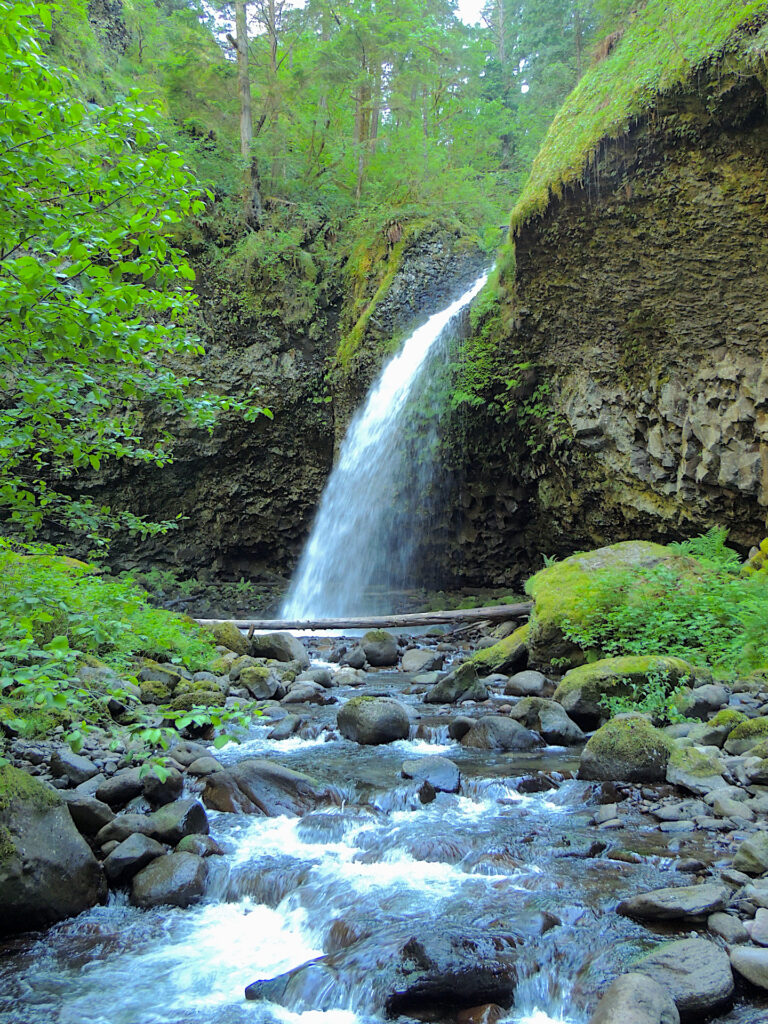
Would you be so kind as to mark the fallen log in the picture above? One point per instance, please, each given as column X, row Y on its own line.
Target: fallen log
column 499, row 613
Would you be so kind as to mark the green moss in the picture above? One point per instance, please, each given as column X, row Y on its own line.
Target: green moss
column 759, row 750
column 199, row 699
column 662, row 46
column 199, row 686
column 378, row 636
column 629, row 737
column 220, row 666
column 153, row 691
column 728, row 716
column 694, row 762
column 746, row 730
column 16, row 785
column 228, row 635
column 615, row 676
column 355, row 702
column 489, row 660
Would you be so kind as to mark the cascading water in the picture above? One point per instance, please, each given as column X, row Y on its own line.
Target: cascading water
column 356, row 539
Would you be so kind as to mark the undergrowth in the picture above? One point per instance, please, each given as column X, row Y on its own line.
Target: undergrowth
column 700, row 607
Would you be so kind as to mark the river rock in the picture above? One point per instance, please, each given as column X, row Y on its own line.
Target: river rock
column 177, row 879
column 256, row 785
column 47, row 871
column 695, row 771
column 354, row 658
column 228, row 635
column 406, row 974
column 188, row 751
column 751, row 964
column 752, row 855
column 626, row 749
column 703, row 700
column 286, row 728
column 373, row 720
column 181, row 818
column 261, row 681
column 728, row 927
column 159, row 790
column 685, row 902
column 548, row 718
column 205, row 766
column 442, row 774
column 280, row 647
column 307, row 693
column 496, row 732
column 348, row 676
column 120, row 788
column 460, row 726
column 130, row 856
column 422, row 660
column 636, row 999
column 203, row 846
column 528, row 684
column 323, row 676
column 75, row 768
column 380, row 648
column 696, row 972
column 88, row 813
column 460, row 684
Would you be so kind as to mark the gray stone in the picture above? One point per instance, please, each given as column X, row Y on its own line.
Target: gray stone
column 725, row 807
column 307, row 693
column 422, row 660
column 529, row 684
column 751, row 964
column 548, row 718
column 687, row 902
column 178, row 879
column 205, row 766
column 130, row 856
column 636, row 999
column 758, row 927
column 159, row 790
column 257, row 786
column 442, row 774
column 460, row 726
column 88, row 813
column 703, row 700
column 181, row 818
column 202, row 846
column 727, row 927
column 380, row 648
column 373, row 720
column 73, row 767
column 286, row 728
column 323, row 676
column 280, row 647
column 696, row 972
column 122, row 787
column 459, row 685
column 496, row 732
column 354, row 658
column 188, row 751
column 752, row 855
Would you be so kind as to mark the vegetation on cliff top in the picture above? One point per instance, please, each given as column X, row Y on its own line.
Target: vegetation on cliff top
column 662, row 45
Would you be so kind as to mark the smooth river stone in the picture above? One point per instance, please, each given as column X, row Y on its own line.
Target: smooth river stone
column 751, row 964
column 696, row 972
column 687, row 901
column 636, row 999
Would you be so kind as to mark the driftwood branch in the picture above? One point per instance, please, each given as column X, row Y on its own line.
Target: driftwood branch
column 499, row 613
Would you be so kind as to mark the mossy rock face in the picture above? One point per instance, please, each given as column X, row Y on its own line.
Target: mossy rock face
column 507, row 656
column 153, row 691
column 47, row 871
column 626, row 749
column 568, row 591
column 202, row 698
column 200, row 686
column 582, row 689
column 747, row 735
column 228, row 635
column 728, row 716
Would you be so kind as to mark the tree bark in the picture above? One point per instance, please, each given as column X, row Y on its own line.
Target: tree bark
column 252, row 207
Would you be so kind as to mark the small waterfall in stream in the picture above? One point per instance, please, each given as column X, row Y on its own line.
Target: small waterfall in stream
column 357, row 538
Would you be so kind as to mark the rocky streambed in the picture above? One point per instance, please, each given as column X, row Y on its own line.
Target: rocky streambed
column 399, row 835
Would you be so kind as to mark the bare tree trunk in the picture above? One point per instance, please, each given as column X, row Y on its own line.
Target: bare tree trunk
column 252, row 207
column 362, row 130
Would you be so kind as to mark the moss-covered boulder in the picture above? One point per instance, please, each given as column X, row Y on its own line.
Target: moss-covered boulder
column 747, row 735
column 261, row 681
column 626, row 749
column 694, row 770
column 583, row 689
column 197, row 699
column 458, row 685
column 567, row 593
column 380, row 648
column 507, row 656
column 47, row 871
column 201, row 685
column 157, row 682
column 229, row 636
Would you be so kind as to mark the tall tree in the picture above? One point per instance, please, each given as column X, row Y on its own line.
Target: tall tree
column 252, row 206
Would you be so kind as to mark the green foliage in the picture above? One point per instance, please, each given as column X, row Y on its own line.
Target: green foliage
column 68, row 635
column 663, row 44
column 657, row 696
column 700, row 609
column 95, row 297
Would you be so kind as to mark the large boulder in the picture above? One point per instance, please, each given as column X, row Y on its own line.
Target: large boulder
column 261, row 682
column 529, row 684
column 422, row 659
column 583, row 690
column 567, row 593
column 548, row 718
column 47, row 871
column 508, row 655
column 636, row 999
column 130, row 856
column 380, row 648
column 228, row 635
column 459, row 685
column 403, row 974
column 497, row 732
column 258, row 786
column 178, row 880
column 373, row 720
column 75, row 768
column 683, row 902
column 168, row 824
column 626, row 749
column 440, row 772
column 696, row 972
column 280, row 647
column 88, row 813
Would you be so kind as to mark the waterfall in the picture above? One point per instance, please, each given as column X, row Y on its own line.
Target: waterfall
column 357, row 538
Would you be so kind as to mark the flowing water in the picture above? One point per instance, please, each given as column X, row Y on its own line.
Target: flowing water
column 358, row 537
column 344, row 884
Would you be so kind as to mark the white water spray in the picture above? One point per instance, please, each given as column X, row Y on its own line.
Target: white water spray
column 355, row 540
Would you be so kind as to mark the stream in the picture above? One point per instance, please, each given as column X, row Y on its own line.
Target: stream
column 499, row 858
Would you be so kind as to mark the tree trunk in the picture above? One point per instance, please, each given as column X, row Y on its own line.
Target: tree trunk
column 252, row 207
